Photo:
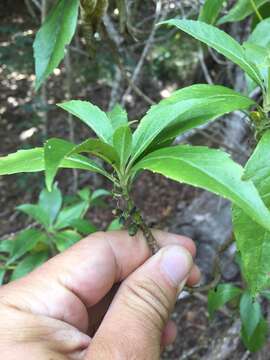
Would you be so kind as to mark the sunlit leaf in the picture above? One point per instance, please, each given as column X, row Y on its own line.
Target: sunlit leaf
column 212, row 170
column 185, row 109
column 253, row 240
column 118, row 116
column 221, row 42
column 122, row 142
column 92, row 116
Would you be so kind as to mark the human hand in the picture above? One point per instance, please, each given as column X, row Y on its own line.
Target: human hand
column 73, row 307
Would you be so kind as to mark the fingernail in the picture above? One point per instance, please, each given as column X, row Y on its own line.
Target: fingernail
column 176, row 263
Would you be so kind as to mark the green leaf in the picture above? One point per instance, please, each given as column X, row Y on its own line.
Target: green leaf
column 33, row 160
column 24, row 242
column 210, row 11
column 115, row 225
column 250, row 313
column 122, row 142
column 28, row 264
column 258, row 50
column 266, row 294
column 214, row 101
column 70, row 213
column 2, row 276
column 55, row 33
column 253, row 240
column 220, row 296
column 83, row 163
column 85, row 194
column 259, row 337
column 83, row 226
column 97, row 194
column 36, row 212
column 22, row 161
column 51, row 202
column 54, row 152
column 65, row 239
column 241, row 10
column 261, row 35
column 6, row 246
column 184, row 109
column 221, row 42
column 92, row 116
column 118, row 116
column 98, row 148
column 209, row 169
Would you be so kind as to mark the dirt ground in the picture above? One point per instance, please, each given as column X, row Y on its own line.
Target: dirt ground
column 160, row 200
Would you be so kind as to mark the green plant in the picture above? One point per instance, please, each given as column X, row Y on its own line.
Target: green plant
column 150, row 147
column 56, row 228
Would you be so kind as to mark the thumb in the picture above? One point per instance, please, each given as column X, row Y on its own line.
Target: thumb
column 133, row 326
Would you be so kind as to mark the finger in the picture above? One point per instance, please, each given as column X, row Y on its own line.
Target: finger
column 169, row 334
column 80, row 277
column 141, row 308
column 194, row 276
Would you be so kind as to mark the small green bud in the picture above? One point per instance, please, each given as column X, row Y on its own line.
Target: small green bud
column 132, row 229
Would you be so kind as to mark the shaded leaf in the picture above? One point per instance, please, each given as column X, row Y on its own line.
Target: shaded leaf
column 220, row 296
column 70, row 213
column 36, row 212
column 258, row 338
column 210, row 11
column 28, row 264
column 98, row 148
column 51, row 39
column 83, row 226
column 98, row 194
column 51, row 202
column 2, row 276
column 209, row 169
column 6, row 246
column 258, row 50
column 115, row 225
column 92, row 116
column 250, row 313
column 241, row 10
column 221, row 42
column 65, row 239
column 24, row 242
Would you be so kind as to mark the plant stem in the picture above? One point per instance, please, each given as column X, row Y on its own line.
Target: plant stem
column 137, row 219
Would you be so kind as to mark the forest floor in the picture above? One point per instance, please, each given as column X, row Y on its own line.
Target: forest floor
column 160, row 200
